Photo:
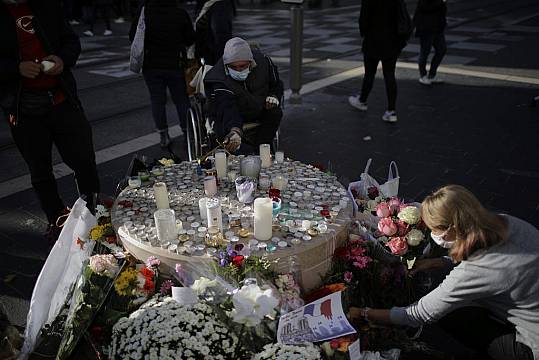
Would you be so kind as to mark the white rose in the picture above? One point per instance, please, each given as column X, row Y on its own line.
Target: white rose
column 414, row 237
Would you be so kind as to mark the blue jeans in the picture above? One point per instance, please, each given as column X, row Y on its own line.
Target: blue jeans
column 157, row 81
column 428, row 41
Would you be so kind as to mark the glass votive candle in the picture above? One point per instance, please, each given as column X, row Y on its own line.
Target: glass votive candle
column 279, row 157
column 157, row 171
column 191, row 233
column 134, row 182
column 232, row 175
column 264, row 182
column 210, row 186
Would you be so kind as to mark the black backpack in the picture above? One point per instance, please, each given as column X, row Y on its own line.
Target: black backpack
column 405, row 26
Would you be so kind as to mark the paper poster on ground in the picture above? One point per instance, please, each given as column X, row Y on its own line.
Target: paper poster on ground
column 320, row 320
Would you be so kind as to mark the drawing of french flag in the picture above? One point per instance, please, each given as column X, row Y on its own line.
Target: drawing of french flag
column 320, row 309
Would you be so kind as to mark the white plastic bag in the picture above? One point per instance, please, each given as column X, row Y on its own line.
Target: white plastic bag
column 362, row 186
column 61, row 270
column 391, row 187
column 136, row 58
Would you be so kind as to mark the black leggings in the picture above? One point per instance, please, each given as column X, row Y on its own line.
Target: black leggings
column 388, row 67
column 491, row 338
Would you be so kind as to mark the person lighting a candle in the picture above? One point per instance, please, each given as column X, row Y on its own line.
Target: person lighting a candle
column 244, row 87
column 490, row 299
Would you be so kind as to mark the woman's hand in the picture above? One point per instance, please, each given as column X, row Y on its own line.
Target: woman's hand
column 376, row 316
column 426, row 265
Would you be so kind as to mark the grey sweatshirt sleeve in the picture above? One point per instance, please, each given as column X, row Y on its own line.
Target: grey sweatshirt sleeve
column 461, row 287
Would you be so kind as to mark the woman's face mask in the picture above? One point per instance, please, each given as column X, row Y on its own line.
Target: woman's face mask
column 239, row 75
column 439, row 239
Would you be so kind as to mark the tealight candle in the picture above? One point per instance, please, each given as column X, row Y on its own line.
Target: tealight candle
column 161, row 195
column 265, row 155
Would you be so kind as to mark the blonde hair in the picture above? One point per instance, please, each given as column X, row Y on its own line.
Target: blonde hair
column 456, row 207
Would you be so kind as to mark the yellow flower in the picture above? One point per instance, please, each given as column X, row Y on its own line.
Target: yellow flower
column 96, row 233
column 125, row 282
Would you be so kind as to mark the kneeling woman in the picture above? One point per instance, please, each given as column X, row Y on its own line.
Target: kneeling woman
column 490, row 300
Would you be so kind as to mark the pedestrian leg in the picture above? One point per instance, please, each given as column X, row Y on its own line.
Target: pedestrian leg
column 368, row 79
column 158, row 97
column 388, row 67
column 73, row 139
column 33, row 137
column 176, row 85
column 425, row 41
column 440, row 49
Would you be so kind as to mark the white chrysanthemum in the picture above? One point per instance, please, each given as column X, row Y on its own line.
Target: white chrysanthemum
column 414, row 237
column 288, row 352
column 410, row 215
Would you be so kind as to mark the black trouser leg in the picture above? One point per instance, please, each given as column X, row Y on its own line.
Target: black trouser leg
column 388, row 67
column 72, row 136
column 440, row 49
column 425, row 41
column 368, row 79
column 33, row 137
column 269, row 124
column 491, row 338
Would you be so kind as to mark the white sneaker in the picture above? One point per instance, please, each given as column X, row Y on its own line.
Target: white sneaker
column 355, row 102
column 88, row 33
column 390, row 116
column 435, row 80
column 424, row 80
column 73, row 22
column 120, row 20
column 107, row 33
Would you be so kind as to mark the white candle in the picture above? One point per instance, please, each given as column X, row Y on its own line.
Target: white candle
column 202, row 208
column 165, row 225
column 265, row 155
column 214, row 214
column 263, row 218
column 279, row 157
column 210, row 186
column 232, row 175
column 220, row 164
column 279, row 182
column 161, row 195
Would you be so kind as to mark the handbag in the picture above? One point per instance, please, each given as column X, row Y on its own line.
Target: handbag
column 136, row 56
column 36, row 103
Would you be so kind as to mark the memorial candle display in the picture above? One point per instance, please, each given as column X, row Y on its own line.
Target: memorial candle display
column 161, row 195
column 210, row 186
column 265, row 155
column 214, row 214
column 263, row 209
column 165, row 225
column 220, row 164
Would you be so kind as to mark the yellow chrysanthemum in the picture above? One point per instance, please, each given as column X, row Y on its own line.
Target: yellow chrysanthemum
column 125, row 282
column 96, row 233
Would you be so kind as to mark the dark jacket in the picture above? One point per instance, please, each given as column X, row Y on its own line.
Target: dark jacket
column 430, row 17
column 168, row 32
column 57, row 38
column 378, row 28
column 233, row 103
column 213, row 30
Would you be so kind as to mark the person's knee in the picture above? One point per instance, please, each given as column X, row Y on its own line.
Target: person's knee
column 274, row 114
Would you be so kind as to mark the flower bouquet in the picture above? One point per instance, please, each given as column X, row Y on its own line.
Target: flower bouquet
column 90, row 292
column 279, row 351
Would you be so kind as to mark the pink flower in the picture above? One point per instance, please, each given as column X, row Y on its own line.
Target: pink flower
column 402, row 228
column 382, row 210
column 362, row 262
column 394, row 205
column 387, row 227
column 348, row 276
column 398, row 245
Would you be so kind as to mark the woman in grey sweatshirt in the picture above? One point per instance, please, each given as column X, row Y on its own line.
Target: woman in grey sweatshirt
column 497, row 275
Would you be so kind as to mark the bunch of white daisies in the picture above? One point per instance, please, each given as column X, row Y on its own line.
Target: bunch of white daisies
column 288, row 352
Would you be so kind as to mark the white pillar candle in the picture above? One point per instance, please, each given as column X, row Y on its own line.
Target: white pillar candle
column 263, row 218
column 165, row 225
column 202, row 208
column 161, row 195
column 265, row 155
column 210, row 186
column 279, row 157
column 220, row 164
column 214, row 214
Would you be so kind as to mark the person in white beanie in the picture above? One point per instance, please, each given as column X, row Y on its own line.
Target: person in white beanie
column 244, row 87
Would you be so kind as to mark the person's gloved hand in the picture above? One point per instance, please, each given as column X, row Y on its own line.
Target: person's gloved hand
column 271, row 102
column 232, row 141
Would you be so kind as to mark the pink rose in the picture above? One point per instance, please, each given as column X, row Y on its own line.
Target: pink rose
column 387, row 227
column 394, row 205
column 382, row 210
column 402, row 228
column 398, row 245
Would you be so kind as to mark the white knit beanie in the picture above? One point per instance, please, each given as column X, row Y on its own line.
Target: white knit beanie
column 237, row 49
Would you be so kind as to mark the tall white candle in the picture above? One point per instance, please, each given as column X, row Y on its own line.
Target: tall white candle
column 161, row 195
column 263, row 218
column 220, row 164
column 279, row 157
column 214, row 213
column 210, row 186
column 165, row 225
column 202, row 208
column 265, row 155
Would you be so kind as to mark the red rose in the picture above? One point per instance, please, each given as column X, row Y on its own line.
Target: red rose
column 238, row 260
column 108, row 203
column 149, row 286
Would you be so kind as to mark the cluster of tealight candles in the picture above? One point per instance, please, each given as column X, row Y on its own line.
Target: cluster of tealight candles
column 251, row 202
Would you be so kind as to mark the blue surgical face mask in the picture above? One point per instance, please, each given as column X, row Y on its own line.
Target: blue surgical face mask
column 439, row 239
column 239, row 75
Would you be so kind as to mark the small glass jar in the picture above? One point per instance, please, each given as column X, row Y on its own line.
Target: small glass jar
column 134, row 181
column 214, row 238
